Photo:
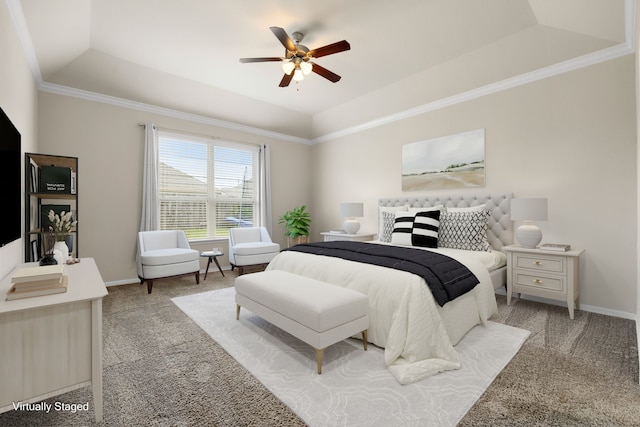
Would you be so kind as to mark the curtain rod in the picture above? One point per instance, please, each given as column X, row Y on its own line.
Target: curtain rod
column 215, row 138
column 181, row 131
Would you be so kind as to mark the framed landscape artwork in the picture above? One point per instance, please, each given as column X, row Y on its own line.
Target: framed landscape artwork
column 454, row 161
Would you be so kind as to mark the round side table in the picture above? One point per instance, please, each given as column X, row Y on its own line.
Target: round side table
column 213, row 256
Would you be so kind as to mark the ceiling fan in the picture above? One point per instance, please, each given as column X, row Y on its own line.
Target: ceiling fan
column 297, row 60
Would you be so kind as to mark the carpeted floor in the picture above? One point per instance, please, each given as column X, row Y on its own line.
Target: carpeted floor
column 355, row 388
column 161, row 369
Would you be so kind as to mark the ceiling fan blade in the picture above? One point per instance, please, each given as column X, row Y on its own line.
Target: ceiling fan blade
column 271, row 59
column 330, row 49
column 286, row 79
column 329, row 75
column 282, row 35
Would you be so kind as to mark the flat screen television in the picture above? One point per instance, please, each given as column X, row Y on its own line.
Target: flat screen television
column 10, row 190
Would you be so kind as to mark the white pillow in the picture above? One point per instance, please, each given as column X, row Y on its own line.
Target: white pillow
column 391, row 209
column 469, row 209
column 431, row 208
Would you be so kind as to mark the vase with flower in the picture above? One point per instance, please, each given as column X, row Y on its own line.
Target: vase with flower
column 61, row 226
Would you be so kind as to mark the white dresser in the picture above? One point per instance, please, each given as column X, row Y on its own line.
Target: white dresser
column 52, row 344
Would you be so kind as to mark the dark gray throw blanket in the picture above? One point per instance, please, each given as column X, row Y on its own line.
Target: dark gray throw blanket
column 446, row 277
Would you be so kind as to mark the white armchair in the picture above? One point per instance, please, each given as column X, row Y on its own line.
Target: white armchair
column 249, row 246
column 165, row 253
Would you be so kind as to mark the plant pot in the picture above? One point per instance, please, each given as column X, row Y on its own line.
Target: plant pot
column 292, row 241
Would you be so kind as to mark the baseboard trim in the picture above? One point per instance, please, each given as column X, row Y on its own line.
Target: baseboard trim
column 137, row 280
column 583, row 307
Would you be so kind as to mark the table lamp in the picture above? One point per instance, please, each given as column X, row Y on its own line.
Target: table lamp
column 529, row 210
column 350, row 211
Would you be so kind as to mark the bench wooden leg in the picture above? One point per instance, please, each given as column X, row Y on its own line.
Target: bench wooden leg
column 364, row 339
column 319, row 359
column 237, row 311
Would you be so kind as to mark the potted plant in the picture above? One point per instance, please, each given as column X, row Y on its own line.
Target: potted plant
column 61, row 226
column 296, row 223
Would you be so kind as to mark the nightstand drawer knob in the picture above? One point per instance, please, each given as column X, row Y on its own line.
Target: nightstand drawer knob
column 537, row 263
column 537, row 281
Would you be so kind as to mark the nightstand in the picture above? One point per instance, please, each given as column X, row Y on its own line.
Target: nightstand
column 545, row 274
column 330, row 236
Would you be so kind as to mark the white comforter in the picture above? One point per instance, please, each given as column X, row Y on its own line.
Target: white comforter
column 404, row 318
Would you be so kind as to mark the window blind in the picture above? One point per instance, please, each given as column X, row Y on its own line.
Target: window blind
column 206, row 186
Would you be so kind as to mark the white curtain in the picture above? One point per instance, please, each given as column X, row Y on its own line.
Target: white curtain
column 264, row 196
column 150, row 196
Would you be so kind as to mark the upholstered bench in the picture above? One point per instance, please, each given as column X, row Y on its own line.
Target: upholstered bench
column 318, row 313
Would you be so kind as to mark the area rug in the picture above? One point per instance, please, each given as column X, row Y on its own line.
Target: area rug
column 355, row 388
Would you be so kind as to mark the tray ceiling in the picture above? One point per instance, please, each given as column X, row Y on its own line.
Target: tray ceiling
column 184, row 55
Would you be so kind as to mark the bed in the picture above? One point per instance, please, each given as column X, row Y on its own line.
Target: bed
column 417, row 333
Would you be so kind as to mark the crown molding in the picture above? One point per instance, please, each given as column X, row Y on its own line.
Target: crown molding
column 140, row 106
column 17, row 16
column 626, row 48
column 520, row 80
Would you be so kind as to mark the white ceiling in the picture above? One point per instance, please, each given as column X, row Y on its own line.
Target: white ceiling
column 184, row 54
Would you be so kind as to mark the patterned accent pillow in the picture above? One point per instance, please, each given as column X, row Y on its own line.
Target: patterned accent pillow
column 425, row 229
column 464, row 230
column 388, row 220
column 389, row 209
column 467, row 209
column 402, row 228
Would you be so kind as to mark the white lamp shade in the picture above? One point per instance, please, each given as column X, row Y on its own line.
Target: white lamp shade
column 529, row 209
column 306, row 67
column 350, row 210
column 288, row 67
column 298, row 75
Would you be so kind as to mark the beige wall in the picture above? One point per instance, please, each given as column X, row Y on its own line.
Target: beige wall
column 18, row 100
column 570, row 138
column 109, row 145
column 637, row 27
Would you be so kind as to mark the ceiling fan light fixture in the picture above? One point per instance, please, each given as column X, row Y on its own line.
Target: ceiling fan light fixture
column 296, row 62
column 298, row 75
column 306, row 67
column 288, row 66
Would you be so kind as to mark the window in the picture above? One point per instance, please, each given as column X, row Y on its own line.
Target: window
column 206, row 186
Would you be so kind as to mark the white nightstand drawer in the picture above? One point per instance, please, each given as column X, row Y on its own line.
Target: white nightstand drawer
column 334, row 237
column 539, row 281
column 540, row 262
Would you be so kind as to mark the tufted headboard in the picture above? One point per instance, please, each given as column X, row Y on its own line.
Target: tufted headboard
column 499, row 226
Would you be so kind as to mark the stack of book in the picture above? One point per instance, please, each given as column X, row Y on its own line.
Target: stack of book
column 35, row 281
column 555, row 247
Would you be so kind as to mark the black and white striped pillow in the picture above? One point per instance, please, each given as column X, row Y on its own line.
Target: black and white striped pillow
column 425, row 229
column 402, row 228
